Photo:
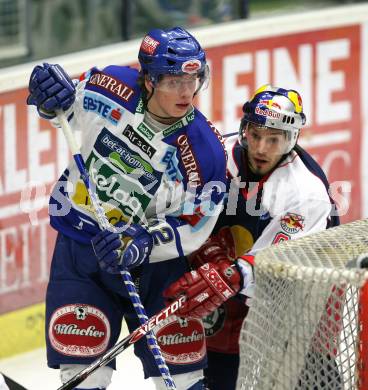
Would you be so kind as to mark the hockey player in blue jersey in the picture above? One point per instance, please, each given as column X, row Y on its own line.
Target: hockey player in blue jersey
column 159, row 169
column 277, row 192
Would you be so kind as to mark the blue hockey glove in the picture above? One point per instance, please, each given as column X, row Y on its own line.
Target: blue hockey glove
column 50, row 89
column 124, row 250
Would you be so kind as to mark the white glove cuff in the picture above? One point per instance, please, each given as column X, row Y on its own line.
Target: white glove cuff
column 246, row 270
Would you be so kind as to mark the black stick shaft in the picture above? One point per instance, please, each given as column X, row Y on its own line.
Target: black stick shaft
column 123, row 344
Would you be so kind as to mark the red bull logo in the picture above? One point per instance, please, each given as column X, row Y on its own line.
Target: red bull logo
column 292, row 223
column 236, row 239
column 267, row 113
column 266, row 102
column 276, row 105
column 269, row 103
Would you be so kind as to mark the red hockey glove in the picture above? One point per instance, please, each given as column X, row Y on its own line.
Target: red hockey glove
column 212, row 251
column 205, row 288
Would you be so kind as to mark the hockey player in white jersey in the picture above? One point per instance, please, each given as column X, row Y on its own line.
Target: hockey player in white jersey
column 277, row 192
column 159, row 169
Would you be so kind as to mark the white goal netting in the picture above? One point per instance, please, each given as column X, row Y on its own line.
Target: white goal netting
column 307, row 323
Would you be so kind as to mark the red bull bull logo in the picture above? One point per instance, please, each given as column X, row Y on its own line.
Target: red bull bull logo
column 292, row 223
column 270, row 103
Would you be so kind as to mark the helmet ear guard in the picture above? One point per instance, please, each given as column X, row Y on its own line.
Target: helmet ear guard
column 276, row 108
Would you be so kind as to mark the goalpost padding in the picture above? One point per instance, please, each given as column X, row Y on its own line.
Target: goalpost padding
column 307, row 325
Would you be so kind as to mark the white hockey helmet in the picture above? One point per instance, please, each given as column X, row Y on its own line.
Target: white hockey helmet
column 277, row 108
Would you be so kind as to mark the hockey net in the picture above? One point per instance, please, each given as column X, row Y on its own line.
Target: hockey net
column 307, row 325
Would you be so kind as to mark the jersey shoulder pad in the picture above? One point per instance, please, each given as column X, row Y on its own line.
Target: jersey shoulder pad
column 118, row 83
column 312, row 165
column 297, row 182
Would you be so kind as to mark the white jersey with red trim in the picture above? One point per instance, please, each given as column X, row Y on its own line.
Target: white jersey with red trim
column 290, row 202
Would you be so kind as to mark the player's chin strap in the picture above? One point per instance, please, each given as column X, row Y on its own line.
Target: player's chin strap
column 155, row 115
column 105, row 224
column 159, row 116
column 146, row 105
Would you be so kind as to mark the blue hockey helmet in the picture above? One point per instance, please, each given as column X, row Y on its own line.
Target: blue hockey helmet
column 276, row 108
column 174, row 51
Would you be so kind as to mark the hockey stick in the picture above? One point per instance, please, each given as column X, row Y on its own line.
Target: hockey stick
column 105, row 224
column 123, row 344
column 11, row 383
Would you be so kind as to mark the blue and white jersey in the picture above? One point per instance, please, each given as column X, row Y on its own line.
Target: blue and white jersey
column 172, row 181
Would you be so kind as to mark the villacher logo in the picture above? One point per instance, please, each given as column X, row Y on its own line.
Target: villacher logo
column 181, row 343
column 74, row 335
